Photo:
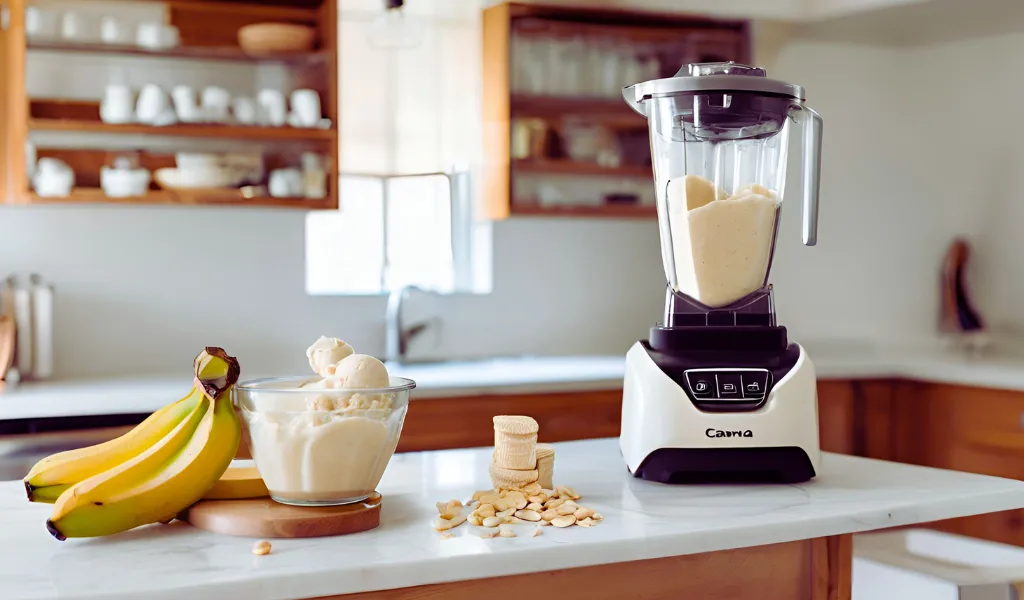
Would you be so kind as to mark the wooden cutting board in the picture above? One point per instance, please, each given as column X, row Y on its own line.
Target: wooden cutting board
column 264, row 518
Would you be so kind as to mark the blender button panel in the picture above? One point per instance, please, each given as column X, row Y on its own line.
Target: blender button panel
column 755, row 384
column 702, row 385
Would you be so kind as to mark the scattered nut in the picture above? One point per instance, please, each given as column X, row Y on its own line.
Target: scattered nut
column 442, row 507
column 549, row 493
column 532, row 488
column 486, row 510
column 568, row 492
column 492, row 521
column 549, row 514
column 566, row 509
column 489, row 532
column 446, row 535
column 481, row 493
column 597, row 517
column 506, row 513
column 554, row 502
column 442, row 524
column 585, row 522
column 539, row 499
column 454, row 503
column 543, row 523
column 528, row 515
column 535, row 506
column 489, row 498
column 582, row 513
column 517, row 521
column 563, row 521
column 506, row 532
column 475, row 519
column 473, row 503
column 536, row 532
column 457, row 520
column 261, row 548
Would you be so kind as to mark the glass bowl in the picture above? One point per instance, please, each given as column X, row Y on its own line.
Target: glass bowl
column 321, row 446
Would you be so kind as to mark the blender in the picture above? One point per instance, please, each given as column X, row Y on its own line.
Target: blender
column 718, row 392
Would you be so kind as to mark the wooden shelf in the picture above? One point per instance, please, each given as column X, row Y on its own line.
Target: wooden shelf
column 617, row 211
column 184, row 197
column 228, row 53
column 240, row 132
column 572, row 167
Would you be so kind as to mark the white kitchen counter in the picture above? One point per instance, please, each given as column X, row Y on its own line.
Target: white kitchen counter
column 642, row 520
column 1002, row 368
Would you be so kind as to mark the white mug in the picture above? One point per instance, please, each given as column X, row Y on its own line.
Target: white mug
column 306, row 106
column 53, row 177
column 272, row 106
column 157, row 36
column 71, row 26
column 185, row 104
column 33, row 21
column 111, row 30
column 117, row 104
column 153, row 104
column 285, row 183
column 216, row 103
column 244, row 110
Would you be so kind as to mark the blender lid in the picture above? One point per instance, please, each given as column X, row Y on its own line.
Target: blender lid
column 714, row 77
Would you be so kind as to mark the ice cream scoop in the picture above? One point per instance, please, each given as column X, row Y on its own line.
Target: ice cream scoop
column 361, row 371
column 325, row 354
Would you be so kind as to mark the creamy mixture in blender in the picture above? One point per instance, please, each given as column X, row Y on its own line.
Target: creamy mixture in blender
column 721, row 245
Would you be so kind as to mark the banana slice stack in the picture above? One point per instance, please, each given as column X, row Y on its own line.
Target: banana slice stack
column 153, row 472
column 518, row 459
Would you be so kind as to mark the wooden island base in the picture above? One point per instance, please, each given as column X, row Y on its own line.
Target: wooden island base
column 815, row 569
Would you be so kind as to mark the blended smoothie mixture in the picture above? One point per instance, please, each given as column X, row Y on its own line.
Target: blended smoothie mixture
column 327, row 447
column 721, row 245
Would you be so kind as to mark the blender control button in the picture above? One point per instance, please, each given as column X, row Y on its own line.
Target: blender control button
column 754, row 385
column 729, row 385
column 702, row 385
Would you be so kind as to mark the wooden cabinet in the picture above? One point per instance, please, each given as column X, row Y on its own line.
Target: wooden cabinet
column 70, row 129
column 558, row 138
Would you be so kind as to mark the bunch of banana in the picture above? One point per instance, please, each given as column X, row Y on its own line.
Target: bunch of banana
column 152, row 473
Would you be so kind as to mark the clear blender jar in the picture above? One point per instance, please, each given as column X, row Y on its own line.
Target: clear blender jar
column 719, row 142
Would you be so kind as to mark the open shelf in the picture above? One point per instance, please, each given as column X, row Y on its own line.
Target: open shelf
column 240, row 132
column 184, row 197
column 618, row 211
column 573, row 167
column 226, row 53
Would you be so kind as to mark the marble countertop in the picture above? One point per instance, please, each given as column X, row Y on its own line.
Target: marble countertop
column 1003, row 367
column 642, row 520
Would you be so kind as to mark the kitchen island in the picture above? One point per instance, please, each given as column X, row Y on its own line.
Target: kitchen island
column 656, row 541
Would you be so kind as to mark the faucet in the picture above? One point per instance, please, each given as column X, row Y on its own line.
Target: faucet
column 397, row 336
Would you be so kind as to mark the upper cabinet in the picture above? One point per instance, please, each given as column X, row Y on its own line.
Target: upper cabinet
column 170, row 102
column 558, row 137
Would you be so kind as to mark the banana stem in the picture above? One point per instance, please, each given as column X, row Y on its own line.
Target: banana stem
column 215, row 371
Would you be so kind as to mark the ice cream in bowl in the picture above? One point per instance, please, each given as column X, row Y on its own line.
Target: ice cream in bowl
column 325, row 439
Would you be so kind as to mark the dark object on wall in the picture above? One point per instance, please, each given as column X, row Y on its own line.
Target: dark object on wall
column 958, row 312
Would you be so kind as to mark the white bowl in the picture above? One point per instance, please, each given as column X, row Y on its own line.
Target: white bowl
column 195, row 178
column 197, row 160
column 124, row 183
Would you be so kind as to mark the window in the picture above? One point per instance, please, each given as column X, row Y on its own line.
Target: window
column 410, row 132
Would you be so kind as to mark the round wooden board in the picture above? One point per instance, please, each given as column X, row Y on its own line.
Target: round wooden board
column 264, row 518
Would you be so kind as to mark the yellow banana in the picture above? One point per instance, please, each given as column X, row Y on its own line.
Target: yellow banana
column 237, row 483
column 115, row 504
column 170, row 476
column 51, row 476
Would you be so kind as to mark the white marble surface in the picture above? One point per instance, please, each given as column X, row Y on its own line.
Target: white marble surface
column 642, row 521
column 1002, row 368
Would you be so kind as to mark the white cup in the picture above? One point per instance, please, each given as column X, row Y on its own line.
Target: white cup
column 245, row 110
column 153, row 104
column 185, row 104
column 53, row 178
column 272, row 106
column 111, row 30
column 306, row 106
column 285, row 183
column 117, row 104
column 157, row 36
column 71, row 26
column 33, row 21
column 216, row 103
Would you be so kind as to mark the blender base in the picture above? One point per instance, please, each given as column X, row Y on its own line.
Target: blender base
column 693, row 426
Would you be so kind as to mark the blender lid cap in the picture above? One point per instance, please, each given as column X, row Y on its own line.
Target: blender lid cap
column 716, row 77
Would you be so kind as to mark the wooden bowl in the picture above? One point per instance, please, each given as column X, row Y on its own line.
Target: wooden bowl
column 274, row 38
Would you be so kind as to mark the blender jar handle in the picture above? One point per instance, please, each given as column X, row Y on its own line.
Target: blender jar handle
column 811, row 174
